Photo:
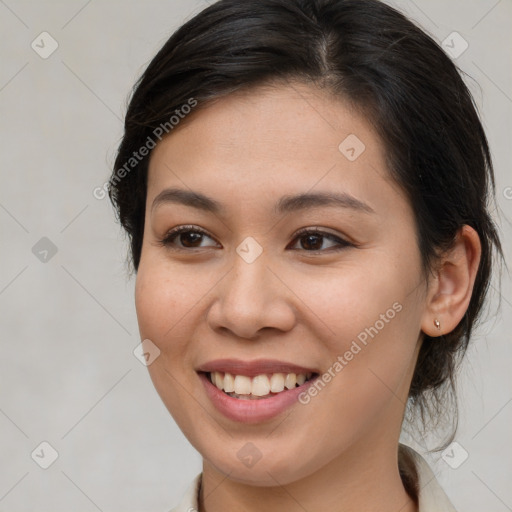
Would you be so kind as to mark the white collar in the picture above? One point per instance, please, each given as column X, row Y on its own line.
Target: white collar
column 431, row 496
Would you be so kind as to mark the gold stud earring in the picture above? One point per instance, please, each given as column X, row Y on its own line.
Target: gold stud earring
column 437, row 323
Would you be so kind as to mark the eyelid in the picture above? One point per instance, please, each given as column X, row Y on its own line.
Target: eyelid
column 317, row 230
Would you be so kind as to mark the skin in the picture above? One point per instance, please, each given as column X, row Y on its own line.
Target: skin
column 294, row 303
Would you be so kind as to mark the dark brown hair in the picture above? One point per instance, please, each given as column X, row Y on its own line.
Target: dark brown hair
column 370, row 54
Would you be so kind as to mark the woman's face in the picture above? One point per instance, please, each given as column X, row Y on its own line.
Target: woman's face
column 242, row 291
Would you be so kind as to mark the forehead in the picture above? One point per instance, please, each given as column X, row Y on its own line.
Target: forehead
column 289, row 137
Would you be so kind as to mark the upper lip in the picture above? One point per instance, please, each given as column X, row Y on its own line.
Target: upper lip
column 253, row 368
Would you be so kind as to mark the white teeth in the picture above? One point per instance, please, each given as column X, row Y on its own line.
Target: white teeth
column 261, row 385
column 243, row 385
column 229, row 383
column 290, row 381
column 301, row 378
column 277, row 382
column 218, row 380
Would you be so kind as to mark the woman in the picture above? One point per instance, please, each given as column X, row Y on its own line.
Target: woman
column 304, row 185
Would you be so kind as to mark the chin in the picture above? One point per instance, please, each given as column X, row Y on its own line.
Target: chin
column 271, row 466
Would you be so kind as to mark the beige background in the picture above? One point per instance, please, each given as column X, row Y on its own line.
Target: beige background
column 68, row 327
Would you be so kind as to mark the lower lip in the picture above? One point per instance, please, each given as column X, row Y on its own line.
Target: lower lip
column 252, row 411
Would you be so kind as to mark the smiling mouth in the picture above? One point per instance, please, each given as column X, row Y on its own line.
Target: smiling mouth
column 258, row 387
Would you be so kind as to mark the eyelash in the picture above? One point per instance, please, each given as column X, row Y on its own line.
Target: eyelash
column 168, row 240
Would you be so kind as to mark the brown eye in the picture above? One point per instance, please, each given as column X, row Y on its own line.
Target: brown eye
column 186, row 237
column 310, row 240
column 190, row 238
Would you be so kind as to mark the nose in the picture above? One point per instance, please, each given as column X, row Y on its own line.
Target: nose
column 251, row 298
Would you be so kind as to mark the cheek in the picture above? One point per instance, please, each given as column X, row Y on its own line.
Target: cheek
column 372, row 310
column 152, row 300
column 164, row 300
column 165, row 314
column 353, row 297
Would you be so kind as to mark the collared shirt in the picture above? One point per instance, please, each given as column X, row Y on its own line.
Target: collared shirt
column 431, row 497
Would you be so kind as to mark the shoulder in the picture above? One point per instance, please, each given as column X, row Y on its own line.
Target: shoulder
column 431, row 497
column 189, row 501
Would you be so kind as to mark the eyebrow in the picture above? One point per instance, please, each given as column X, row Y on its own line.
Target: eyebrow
column 286, row 204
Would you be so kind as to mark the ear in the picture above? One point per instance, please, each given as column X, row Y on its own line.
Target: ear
column 451, row 287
